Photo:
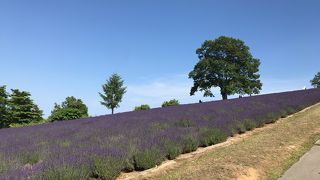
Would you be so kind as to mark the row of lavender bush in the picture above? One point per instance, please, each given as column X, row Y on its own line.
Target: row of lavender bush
column 102, row 147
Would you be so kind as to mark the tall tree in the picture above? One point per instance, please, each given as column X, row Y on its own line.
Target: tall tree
column 225, row 63
column 22, row 109
column 4, row 121
column 315, row 82
column 113, row 92
column 71, row 108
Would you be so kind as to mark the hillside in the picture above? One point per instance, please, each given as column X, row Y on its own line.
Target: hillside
column 105, row 145
column 264, row 153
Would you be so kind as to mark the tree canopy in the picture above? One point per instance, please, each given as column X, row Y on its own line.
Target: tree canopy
column 315, row 82
column 71, row 108
column 113, row 92
column 22, row 109
column 4, row 121
column 172, row 102
column 142, row 107
column 225, row 63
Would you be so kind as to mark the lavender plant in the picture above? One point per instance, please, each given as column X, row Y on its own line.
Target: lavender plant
column 101, row 147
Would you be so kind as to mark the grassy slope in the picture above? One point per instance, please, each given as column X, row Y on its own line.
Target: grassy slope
column 264, row 153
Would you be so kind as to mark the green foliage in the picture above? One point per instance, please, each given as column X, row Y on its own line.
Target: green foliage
column 43, row 121
column 129, row 164
column 172, row 102
column 22, row 110
column 4, row 114
column 3, row 165
column 65, row 114
column 65, row 172
column 271, row 118
column 226, row 63
column 184, row 123
column 113, row 92
column 315, row 82
column 290, row 110
column 190, row 144
column 142, row 107
column 106, row 167
column 283, row 114
column 173, row 149
column 71, row 108
column 260, row 121
column 249, row 124
column 211, row 136
column 147, row 159
column 241, row 128
column 30, row 158
column 159, row 126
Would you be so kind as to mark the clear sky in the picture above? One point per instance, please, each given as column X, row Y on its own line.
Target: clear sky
column 59, row 48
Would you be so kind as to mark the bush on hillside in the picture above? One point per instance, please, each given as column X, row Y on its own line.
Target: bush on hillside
column 142, row 107
column 106, row 167
column 190, row 144
column 173, row 149
column 172, row 102
column 212, row 136
column 147, row 159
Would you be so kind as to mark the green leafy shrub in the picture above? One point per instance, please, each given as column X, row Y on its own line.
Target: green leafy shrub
column 249, row 124
column 234, row 131
column 30, row 158
column 65, row 172
column 159, row 126
column 129, row 164
column 184, row 123
column 172, row 102
column 240, row 128
column 290, row 110
column 65, row 114
column 260, row 121
column 283, row 114
column 212, row 136
column 271, row 118
column 71, row 108
column 147, row 159
column 190, row 144
column 173, row 150
column 3, row 166
column 142, row 107
column 15, row 125
column 106, row 167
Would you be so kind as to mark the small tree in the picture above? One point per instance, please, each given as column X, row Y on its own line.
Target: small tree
column 113, row 92
column 225, row 63
column 142, row 107
column 172, row 102
column 71, row 108
column 315, row 82
column 22, row 110
column 4, row 121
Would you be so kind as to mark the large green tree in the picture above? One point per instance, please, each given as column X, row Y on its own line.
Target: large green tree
column 4, row 121
column 225, row 63
column 113, row 92
column 315, row 82
column 22, row 109
column 71, row 108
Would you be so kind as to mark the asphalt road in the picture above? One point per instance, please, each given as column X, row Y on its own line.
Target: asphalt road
column 307, row 168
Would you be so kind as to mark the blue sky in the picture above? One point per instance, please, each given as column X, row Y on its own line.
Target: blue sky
column 60, row 48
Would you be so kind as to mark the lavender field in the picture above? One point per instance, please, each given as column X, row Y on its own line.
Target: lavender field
column 101, row 147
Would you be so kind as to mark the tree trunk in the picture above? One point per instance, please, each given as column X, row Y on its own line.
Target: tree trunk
column 224, row 95
column 112, row 111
